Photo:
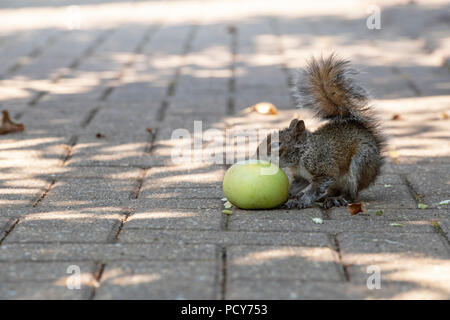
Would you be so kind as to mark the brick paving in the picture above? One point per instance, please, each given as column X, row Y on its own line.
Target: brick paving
column 86, row 184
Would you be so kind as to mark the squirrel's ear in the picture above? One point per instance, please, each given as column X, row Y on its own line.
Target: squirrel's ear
column 299, row 126
column 293, row 123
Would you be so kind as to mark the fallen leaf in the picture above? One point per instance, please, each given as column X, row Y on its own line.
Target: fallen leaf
column 317, row 220
column 379, row 212
column 396, row 117
column 422, row 206
column 355, row 208
column 224, row 199
column 396, row 225
column 8, row 126
column 388, row 186
column 261, row 107
column 227, row 211
column 149, row 130
column 444, row 116
column 444, row 202
column 227, row 205
column 99, row 135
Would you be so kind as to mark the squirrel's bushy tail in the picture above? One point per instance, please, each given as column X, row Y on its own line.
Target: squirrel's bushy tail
column 326, row 86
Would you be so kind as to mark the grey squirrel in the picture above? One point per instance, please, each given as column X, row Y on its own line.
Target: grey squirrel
column 344, row 155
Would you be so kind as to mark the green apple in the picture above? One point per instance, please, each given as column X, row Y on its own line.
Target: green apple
column 255, row 184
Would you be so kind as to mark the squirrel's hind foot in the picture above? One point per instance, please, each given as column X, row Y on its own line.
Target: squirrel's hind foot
column 331, row 202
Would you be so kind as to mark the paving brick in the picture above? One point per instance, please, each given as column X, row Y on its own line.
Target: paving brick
column 5, row 225
column 390, row 214
column 42, row 291
column 113, row 173
column 159, row 280
column 431, row 245
column 224, row 237
column 304, row 290
column 88, row 192
column 399, row 257
column 21, row 191
column 185, row 176
column 153, row 192
column 379, row 197
column 180, row 204
column 164, row 218
column 67, row 226
column 282, row 262
column 433, row 186
column 301, row 221
column 16, row 252
column 270, row 289
column 45, row 271
column 35, row 151
column 116, row 148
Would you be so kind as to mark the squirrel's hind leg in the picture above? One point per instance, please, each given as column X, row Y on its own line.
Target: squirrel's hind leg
column 342, row 192
column 331, row 202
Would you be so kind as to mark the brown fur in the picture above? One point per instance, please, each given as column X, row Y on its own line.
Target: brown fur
column 344, row 155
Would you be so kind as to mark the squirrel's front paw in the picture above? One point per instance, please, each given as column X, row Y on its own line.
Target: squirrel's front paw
column 301, row 202
column 290, row 204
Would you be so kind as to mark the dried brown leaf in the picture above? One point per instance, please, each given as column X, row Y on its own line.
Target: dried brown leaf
column 396, row 117
column 262, row 108
column 9, row 126
column 99, row 135
column 355, row 208
column 265, row 108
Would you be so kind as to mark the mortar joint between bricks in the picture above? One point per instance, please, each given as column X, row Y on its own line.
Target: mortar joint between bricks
column 224, row 272
column 416, row 195
column 97, row 277
column 232, row 30
column 44, row 193
column 153, row 133
column 69, row 148
column 9, row 229
column 282, row 52
column 139, row 183
column 337, row 248
column 438, row 229
column 172, row 86
column 113, row 236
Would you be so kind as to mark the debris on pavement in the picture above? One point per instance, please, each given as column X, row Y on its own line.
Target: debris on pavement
column 261, row 107
column 422, row 206
column 8, row 126
column 355, row 208
column 396, row 225
column 317, row 220
column 227, row 205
